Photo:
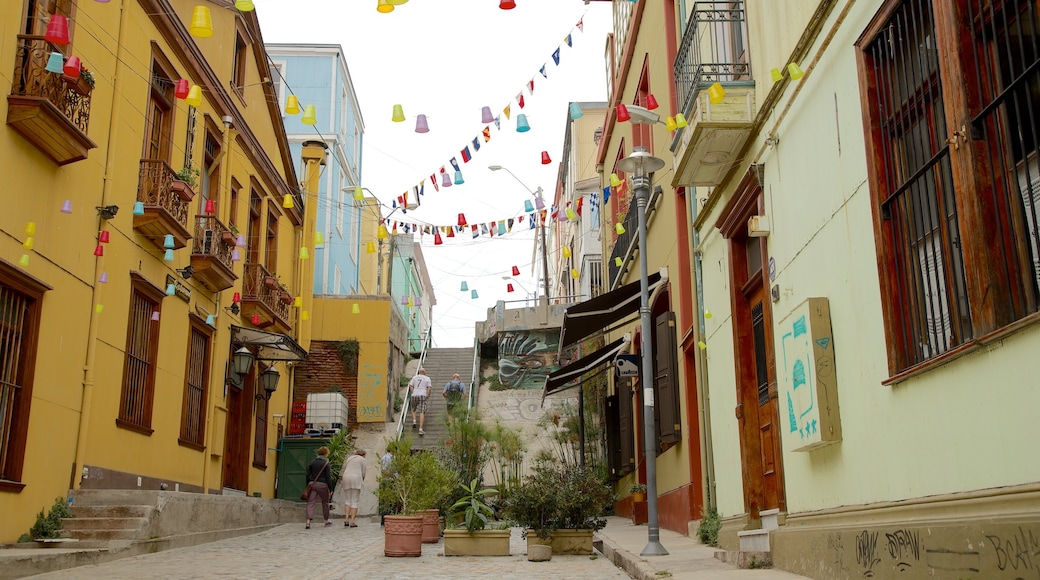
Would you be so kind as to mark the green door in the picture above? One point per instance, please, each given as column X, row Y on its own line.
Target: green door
column 292, row 466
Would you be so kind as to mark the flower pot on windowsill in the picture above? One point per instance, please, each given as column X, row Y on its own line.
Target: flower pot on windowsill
column 182, row 189
column 271, row 282
column 286, row 298
column 228, row 238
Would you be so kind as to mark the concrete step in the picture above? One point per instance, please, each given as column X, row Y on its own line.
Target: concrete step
column 89, row 524
column 103, row 535
column 754, row 540
column 112, row 511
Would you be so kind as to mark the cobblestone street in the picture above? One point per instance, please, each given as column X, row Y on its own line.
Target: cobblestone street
column 290, row 551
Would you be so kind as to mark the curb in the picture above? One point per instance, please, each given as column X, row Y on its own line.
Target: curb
column 632, row 564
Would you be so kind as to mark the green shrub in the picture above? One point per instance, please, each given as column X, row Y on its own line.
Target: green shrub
column 708, row 530
column 471, row 507
column 558, row 497
column 48, row 527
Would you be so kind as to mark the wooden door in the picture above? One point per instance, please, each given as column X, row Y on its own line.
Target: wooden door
column 761, row 395
column 238, row 434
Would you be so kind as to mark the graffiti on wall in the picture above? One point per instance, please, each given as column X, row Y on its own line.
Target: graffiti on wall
column 807, row 380
column 526, row 357
column 998, row 552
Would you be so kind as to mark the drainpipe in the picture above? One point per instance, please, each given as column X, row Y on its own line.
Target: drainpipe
column 87, row 396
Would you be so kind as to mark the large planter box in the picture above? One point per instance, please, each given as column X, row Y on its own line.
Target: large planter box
column 480, row 543
column 565, row 542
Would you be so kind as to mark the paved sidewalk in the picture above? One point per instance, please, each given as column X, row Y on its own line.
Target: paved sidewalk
column 687, row 558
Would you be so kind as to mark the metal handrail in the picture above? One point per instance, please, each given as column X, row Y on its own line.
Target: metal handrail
column 408, row 400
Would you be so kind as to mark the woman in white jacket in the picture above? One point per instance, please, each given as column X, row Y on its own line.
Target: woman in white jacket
column 352, row 479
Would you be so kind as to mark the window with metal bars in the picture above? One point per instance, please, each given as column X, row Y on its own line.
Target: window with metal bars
column 142, row 347
column 20, row 298
column 952, row 93
column 193, row 407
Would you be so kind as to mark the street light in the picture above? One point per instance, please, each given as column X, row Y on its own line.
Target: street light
column 640, row 164
column 541, row 227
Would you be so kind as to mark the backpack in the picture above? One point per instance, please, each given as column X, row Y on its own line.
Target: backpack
column 455, row 386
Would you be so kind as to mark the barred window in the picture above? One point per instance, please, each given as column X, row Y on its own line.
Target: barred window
column 193, row 408
column 142, row 347
column 20, row 297
column 952, row 94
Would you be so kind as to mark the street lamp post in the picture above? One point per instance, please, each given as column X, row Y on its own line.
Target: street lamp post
column 640, row 164
column 541, row 227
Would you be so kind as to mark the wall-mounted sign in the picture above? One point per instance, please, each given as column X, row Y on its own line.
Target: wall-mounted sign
column 627, row 365
column 808, row 387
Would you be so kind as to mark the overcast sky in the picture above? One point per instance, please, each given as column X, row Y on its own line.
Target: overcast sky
column 447, row 59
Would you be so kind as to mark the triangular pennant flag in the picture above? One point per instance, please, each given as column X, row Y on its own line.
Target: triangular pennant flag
column 530, row 222
column 465, row 154
column 476, row 232
column 505, row 112
column 568, row 40
column 476, row 144
column 487, row 131
column 542, row 70
column 498, row 125
column 581, row 25
column 422, row 186
column 483, row 229
column 606, row 194
column 530, row 87
column 520, row 100
column 433, row 180
column 556, row 56
column 454, row 163
column 509, row 224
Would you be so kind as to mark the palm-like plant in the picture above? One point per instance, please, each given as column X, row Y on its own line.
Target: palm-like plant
column 472, row 507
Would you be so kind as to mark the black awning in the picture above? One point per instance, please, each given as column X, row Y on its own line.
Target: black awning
column 269, row 345
column 597, row 313
column 557, row 381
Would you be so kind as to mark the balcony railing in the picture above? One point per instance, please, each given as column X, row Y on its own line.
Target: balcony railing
column 627, row 242
column 713, row 50
column 211, row 250
column 155, row 189
column 46, row 109
column 260, row 287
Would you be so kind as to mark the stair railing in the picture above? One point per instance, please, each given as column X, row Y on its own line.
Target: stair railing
column 474, row 380
column 406, row 408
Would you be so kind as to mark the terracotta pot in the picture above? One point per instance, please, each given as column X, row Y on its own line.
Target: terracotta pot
column 228, row 238
column 78, row 84
column 271, row 282
column 182, row 189
column 431, row 529
column 286, row 298
column 402, row 536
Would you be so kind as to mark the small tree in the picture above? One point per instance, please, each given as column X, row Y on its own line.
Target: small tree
column 48, row 527
column 415, row 481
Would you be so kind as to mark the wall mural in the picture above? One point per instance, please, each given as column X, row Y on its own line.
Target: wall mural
column 526, row 357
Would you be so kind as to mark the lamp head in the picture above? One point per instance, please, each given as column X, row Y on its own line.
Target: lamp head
column 640, row 162
column 494, row 167
column 269, row 381
column 642, row 115
column 241, row 361
column 108, row 211
column 186, row 272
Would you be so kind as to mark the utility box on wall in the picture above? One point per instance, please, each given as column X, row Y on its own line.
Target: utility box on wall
column 808, row 387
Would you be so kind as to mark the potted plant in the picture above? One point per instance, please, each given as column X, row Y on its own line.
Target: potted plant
column 638, row 491
column 561, row 505
column 470, row 538
column 272, row 282
column 414, row 481
column 82, row 84
column 284, row 295
column 230, row 236
column 185, row 181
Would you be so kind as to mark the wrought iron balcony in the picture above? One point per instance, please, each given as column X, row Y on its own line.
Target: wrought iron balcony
column 625, row 245
column 50, row 111
column 262, row 297
column 211, row 253
column 713, row 50
column 165, row 210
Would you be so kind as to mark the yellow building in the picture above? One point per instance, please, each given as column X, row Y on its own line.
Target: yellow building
column 125, row 293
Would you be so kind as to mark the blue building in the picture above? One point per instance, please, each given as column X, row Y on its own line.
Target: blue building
column 317, row 74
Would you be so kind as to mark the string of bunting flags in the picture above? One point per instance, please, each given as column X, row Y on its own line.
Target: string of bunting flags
column 441, row 177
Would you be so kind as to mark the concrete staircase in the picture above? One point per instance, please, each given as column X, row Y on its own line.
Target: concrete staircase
column 440, row 365
column 105, row 523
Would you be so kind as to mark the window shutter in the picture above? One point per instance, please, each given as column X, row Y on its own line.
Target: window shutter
column 666, row 373
column 627, row 444
column 612, row 419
